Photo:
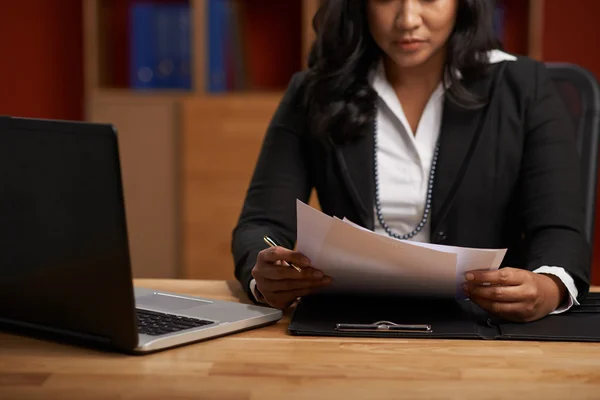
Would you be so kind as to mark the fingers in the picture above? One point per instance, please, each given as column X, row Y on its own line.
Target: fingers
column 282, row 272
column 501, row 293
column 271, row 265
column 513, row 311
column 276, row 286
column 512, row 294
column 280, row 284
column 282, row 300
column 503, row 276
column 498, row 307
column 273, row 254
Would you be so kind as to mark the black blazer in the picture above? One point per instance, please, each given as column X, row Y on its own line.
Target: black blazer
column 508, row 176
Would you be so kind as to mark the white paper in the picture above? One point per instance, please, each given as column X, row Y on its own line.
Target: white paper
column 312, row 227
column 360, row 260
column 468, row 259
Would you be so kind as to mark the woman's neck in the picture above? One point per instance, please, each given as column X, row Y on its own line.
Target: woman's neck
column 414, row 86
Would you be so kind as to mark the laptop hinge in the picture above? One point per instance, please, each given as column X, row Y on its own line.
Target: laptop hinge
column 57, row 331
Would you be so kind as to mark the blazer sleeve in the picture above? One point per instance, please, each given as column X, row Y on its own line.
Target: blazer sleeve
column 551, row 197
column 280, row 177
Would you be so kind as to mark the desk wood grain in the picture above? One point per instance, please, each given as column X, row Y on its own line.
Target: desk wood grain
column 268, row 364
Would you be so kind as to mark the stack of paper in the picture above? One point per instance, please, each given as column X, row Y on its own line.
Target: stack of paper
column 363, row 261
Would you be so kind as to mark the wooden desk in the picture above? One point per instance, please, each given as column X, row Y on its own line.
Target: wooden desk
column 269, row 364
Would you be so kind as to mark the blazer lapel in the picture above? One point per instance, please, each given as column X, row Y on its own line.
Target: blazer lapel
column 355, row 162
column 459, row 134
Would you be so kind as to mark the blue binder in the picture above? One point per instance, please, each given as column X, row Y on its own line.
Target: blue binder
column 142, row 49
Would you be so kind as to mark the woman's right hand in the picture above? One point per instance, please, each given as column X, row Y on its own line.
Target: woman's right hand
column 280, row 284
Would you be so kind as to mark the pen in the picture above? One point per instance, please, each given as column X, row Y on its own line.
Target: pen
column 273, row 243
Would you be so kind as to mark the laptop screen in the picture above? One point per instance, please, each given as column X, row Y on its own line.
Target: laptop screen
column 64, row 259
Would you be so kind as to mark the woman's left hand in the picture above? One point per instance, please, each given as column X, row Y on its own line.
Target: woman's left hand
column 515, row 294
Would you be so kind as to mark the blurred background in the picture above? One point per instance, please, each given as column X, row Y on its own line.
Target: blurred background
column 191, row 86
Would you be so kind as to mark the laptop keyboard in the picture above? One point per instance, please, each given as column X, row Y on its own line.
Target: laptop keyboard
column 155, row 323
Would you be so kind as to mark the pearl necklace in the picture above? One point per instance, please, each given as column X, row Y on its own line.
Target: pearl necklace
column 429, row 191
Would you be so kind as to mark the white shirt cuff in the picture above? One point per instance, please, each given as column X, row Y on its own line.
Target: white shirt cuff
column 569, row 283
column 257, row 296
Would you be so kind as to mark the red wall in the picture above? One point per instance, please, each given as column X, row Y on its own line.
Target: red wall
column 571, row 34
column 272, row 34
column 41, row 72
column 515, row 28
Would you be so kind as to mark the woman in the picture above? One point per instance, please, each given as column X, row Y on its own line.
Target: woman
column 411, row 122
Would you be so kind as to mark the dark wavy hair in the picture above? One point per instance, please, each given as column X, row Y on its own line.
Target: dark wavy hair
column 337, row 92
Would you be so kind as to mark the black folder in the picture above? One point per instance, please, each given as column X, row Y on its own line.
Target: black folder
column 397, row 317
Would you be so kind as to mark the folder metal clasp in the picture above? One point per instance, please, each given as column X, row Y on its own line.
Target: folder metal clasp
column 383, row 326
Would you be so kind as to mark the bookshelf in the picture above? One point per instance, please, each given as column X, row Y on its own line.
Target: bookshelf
column 272, row 41
column 275, row 37
column 182, row 196
column 151, row 122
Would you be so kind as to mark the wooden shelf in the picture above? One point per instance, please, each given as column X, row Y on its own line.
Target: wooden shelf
column 113, row 93
column 173, row 95
column 535, row 43
column 276, row 37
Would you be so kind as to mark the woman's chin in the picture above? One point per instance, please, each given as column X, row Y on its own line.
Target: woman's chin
column 410, row 60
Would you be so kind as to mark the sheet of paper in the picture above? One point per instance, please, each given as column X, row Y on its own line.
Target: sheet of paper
column 360, row 260
column 468, row 259
column 312, row 227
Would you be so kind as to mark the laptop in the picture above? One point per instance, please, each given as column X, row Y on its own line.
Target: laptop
column 65, row 267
